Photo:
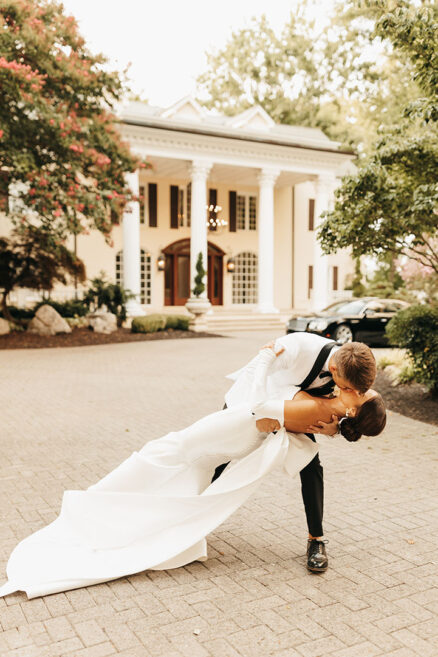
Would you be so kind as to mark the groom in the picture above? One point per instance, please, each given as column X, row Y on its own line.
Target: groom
column 315, row 365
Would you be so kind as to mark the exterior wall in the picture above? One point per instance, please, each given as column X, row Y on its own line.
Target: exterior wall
column 304, row 253
column 293, row 252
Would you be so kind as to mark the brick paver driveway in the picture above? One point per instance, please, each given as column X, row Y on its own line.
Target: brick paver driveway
column 69, row 416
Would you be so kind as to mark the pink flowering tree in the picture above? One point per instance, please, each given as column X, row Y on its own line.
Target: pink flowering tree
column 62, row 160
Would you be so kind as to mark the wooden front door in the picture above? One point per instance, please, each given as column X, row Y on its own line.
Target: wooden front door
column 177, row 274
column 215, row 278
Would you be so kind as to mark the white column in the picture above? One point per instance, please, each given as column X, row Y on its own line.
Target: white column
column 131, row 248
column 198, row 232
column 324, row 188
column 266, row 178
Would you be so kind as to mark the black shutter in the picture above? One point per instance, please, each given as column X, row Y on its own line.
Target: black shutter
column 174, row 206
column 232, row 211
column 152, row 205
column 212, row 201
column 311, row 213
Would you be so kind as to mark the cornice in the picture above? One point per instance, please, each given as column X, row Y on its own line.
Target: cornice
column 219, row 149
column 220, row 135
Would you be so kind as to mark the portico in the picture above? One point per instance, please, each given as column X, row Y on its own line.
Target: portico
column 247, row 167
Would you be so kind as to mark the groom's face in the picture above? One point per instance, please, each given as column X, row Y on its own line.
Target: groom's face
column 342, row 383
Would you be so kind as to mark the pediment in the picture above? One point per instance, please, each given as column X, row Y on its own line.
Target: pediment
column 186, row 109
column 254, row 118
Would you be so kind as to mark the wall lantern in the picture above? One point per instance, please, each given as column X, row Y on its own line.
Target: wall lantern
column 161, row 262
column 231, row 265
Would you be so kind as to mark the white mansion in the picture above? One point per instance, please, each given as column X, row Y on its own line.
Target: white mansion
column 245, row 192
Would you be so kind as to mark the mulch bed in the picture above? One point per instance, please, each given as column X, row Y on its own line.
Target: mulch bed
column 412, row 399
column 81, row 337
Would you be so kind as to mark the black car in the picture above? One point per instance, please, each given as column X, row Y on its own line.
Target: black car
column 357, row 319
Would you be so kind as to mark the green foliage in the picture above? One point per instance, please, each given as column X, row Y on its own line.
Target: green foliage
column 386, row 282
column 156, row 322
column 113, row 296
column 389, row 206
column 18, row 314
column 177, row 322
column 59, row 146
column 199, row 278
column 407, row 374
column 33, row 258
column 416, row 329
column 356, row 285
column 69, row 308
column 326, row 76
column 148, row 324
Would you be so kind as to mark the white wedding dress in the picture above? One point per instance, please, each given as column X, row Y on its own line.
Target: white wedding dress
column 156, row 508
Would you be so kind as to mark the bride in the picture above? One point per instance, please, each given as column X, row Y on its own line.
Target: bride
column 156, row 508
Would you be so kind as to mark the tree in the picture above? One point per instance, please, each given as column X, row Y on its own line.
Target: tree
column 343, row 78
column 33, row 258
column 390, row 206
column 199, row 278
column 60, row 151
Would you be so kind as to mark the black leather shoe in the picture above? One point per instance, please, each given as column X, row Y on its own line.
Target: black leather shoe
column 317, row 561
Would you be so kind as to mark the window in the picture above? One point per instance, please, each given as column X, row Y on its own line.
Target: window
column 245, row 287
column 145, row 274
column 311, row 214
column 141, row 194
column 189, row 203
column 335, row 278
column 310, row 281
column 246, row 212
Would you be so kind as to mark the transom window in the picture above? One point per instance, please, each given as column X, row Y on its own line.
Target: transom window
column 246, row 212
column 245, row 276
column 145, row 274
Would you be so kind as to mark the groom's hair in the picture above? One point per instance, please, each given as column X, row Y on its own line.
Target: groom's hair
column 356, row 364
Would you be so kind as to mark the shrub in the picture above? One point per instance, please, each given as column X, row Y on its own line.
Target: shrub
column 113, row 296
column 70, row 308
column 148, row 324
column 177, row 322
column 416, row 329
column 19, row 313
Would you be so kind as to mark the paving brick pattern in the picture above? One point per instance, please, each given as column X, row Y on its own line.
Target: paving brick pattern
column 69, row 416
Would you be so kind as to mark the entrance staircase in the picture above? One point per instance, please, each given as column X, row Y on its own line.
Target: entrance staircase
column 245, row 320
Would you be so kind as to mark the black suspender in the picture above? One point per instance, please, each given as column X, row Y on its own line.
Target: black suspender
column 317, row 365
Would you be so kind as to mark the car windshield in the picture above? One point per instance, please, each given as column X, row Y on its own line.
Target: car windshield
column 346, row 308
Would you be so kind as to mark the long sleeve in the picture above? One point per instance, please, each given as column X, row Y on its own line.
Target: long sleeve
column 262, row 407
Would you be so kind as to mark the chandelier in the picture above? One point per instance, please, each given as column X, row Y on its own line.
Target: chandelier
column 214, row 222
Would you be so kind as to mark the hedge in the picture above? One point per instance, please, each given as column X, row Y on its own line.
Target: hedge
column 156, row 322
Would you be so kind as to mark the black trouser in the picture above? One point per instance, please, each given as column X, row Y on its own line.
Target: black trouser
column 312, row 490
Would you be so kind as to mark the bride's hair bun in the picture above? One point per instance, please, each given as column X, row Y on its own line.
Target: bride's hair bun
column 370, row 420
column 349, row 429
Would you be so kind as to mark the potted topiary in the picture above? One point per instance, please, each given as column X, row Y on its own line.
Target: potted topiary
column 198, row 305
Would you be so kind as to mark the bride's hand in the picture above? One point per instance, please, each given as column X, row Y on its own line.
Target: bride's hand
column 326, row 428
column 267, row 425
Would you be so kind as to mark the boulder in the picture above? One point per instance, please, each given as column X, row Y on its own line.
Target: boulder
column 102, row 322
column 48, row 321
column 4, row 326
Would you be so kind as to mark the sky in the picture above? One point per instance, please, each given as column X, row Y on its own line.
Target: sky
column 166, row 40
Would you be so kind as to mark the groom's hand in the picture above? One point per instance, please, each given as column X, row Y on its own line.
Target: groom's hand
column 267, row 425
column 271, row 345
column 326, row 428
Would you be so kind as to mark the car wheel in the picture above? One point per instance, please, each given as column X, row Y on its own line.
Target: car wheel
column 343, row 334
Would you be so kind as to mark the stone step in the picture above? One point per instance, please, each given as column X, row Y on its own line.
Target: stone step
column 246, row 322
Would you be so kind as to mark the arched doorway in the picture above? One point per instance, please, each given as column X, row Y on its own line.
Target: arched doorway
column 177, row 273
